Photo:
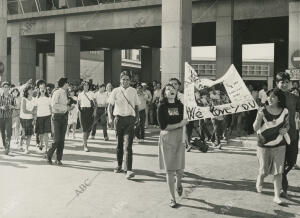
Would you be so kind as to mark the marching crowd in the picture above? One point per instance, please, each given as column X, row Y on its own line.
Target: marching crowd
column 43, row 110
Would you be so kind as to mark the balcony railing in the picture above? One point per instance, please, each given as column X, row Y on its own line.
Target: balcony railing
column 29, row 6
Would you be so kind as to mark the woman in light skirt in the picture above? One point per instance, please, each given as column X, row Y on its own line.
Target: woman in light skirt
column 171, row 146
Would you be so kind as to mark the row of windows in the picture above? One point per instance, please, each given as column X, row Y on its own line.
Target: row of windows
column 248, row 70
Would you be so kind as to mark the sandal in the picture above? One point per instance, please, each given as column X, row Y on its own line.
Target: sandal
column 172, row 203
column 179, row 190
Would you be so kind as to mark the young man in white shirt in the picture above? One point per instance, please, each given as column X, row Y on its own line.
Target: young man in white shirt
column 100, row 112
column 125, row 101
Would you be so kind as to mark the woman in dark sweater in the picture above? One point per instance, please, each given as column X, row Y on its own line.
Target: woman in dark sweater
column 171, row 146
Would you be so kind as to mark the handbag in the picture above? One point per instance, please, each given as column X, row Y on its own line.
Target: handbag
column 91, row 101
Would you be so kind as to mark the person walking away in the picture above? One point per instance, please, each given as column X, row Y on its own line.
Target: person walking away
column 149, row 98
column 125, row 102
column 27, row 116
column 271, row 125
column 100, row 114
column 171, row 146
column 73, row 113
column 7, row 104
column 143, row 98
column 59, row 120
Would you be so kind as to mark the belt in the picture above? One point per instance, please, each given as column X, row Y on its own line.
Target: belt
column 102, row 106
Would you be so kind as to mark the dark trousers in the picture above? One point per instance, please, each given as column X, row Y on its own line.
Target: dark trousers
column 290, row 160
column 204, row 130
column 59, row 124
column 218, row 130
column 140, row 129
column 125, row 133
column 100, row 118
column 6, row 131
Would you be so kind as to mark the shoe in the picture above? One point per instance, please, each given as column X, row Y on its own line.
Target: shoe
column 106, row 138
column 129, row 174
column 283, row 194
column 86, row 149
column 118, row 169
column 189, row 148
column 6, row 151
column 142, row 140
column 259, row 187
column 219, row 147
column 41, row 147
column 92, row 137
column 27, row 151
column 172, row 203
column 49, row 161
column 21, row 149
column 278, row 201
column 58, row 162
column 179, row 190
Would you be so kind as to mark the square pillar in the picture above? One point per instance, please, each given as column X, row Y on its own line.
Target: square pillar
column 281, row 53
column 23, row 58
column 41, row 69
column 294, row 34
column 150, row 65
column 67, row 56
column 3, row 40
column 224, row 37
column 112, row 66
column 176, row 38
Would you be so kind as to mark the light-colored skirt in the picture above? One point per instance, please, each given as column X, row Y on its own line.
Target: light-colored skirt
column 73, row 116
column 271, row 160
column 171, row 150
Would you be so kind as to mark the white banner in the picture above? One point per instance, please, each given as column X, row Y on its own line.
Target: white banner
column 204, row 98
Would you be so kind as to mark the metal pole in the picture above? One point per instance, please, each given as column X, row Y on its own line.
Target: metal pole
column 21, row 6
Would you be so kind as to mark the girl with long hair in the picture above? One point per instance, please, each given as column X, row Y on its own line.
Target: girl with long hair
column 271, row 125
column 171, row 146
column 28, row 110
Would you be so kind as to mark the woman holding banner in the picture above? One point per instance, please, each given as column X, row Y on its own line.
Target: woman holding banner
column 171, row 146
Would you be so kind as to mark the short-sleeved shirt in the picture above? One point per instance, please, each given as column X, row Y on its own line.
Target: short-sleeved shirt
column 6, row 101
column 124, row 107
column 29, row 106
column 59, row 101
column 86, row 98
column 43, row 105
column 101, row 99
column 292, row 104
column 169, row 113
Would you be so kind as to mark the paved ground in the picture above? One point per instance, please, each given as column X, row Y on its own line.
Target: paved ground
column 216, row 184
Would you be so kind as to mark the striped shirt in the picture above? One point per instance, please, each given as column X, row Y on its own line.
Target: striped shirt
column 6, row 102
column 268, row 133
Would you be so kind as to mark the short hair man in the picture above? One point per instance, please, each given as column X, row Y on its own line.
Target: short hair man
column 7, row 104
column 125, row 100
column 293, row 105
column 60, row 108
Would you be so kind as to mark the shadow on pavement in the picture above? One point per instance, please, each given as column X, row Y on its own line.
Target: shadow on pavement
column 235, row 211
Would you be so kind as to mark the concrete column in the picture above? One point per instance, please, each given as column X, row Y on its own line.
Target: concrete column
column 280, row 57
column 294, row 31
column 67, row 56
column 150, row 64
column 23, row 57
column 112, row 66
column 224, row 37
column 41, row 70
column 3, row 38
column 176, row 38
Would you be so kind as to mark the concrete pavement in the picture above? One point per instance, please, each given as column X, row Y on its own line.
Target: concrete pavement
column 216, row 184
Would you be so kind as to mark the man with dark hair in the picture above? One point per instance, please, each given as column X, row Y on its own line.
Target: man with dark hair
column 59, row 118
column 293, row 105
column 6, row 109
column 125, row 100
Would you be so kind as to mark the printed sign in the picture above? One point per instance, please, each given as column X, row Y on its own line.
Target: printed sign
column 204, row 98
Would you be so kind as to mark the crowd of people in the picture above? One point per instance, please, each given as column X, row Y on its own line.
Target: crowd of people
column 43, row 110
